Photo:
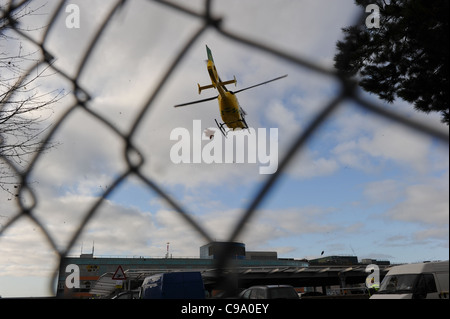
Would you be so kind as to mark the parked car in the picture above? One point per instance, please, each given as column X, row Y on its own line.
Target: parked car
column 269, row 292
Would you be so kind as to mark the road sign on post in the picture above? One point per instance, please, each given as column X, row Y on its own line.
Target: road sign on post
column 119, row 274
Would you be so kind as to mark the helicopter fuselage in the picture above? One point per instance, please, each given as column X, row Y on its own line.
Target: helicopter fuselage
column 230, row 111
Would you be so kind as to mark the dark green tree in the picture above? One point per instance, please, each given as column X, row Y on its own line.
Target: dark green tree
column 407, row 56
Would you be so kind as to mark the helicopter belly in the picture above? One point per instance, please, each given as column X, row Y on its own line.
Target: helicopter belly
column 230, row 111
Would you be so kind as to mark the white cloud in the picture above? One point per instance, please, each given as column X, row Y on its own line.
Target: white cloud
column 387, row 191
column 304, row 27
column 120, row 92
column 285, row 120
column 371, row 144
column 309, row 164
column 439, row 233
column 86, row 159
column 424, row 203
column 24, row 251
column 393, row 142
column 268, row 225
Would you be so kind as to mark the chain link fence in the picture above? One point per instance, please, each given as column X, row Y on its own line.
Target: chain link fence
column 26, row 198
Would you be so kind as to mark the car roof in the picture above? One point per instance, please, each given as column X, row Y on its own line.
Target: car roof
column 418, row 268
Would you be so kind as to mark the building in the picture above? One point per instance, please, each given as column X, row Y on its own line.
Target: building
column 236, row 250
column 212, row 250
column 334, row 260
column 262, row 255
column 368, row 261
column 92, row 269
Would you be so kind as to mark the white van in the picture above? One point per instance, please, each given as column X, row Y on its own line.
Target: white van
column 427, row 280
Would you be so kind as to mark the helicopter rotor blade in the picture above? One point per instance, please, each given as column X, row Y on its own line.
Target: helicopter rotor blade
column 253, row 86
column 198, row 101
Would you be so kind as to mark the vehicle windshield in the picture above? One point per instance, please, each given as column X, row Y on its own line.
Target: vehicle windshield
column 398, row 284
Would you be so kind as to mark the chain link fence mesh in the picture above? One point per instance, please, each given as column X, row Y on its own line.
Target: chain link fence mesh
column 26, row 198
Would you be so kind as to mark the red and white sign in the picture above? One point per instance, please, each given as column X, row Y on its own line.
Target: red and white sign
column 119, row 274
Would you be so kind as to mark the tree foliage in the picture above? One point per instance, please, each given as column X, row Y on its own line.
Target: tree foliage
column 406, row 57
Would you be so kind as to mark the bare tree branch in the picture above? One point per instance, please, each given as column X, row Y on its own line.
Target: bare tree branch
column 24, row 106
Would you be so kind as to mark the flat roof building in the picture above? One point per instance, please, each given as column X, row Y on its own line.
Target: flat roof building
column 334, row 260
column 212, row 250
column 91, row 268
column 261, row 255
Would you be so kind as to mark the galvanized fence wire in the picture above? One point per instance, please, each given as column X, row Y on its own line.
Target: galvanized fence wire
column 348, row 92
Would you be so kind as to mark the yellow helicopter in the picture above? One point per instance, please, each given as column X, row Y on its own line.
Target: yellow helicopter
column 231, row 112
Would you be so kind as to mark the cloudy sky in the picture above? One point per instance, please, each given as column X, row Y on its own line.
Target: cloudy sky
column 362, row 186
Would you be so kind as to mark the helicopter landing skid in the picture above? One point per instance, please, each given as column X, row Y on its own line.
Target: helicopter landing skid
column 221, row 128
column 225, row 132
